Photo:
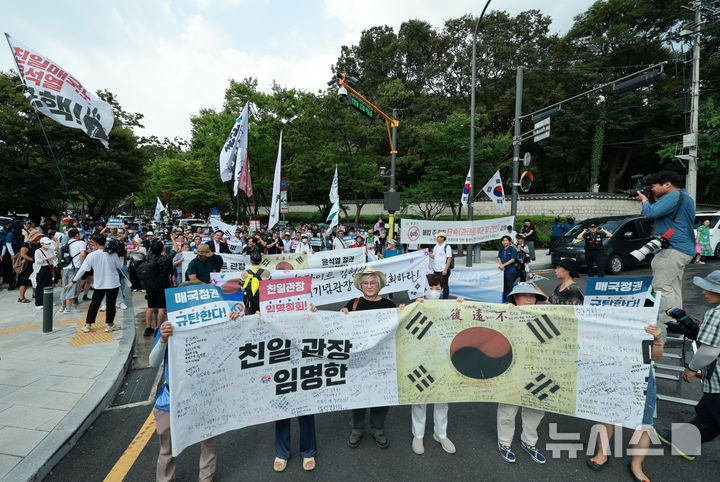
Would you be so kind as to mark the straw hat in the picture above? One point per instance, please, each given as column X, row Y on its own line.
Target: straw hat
column 370, row 270
column 35, row 235
column 203, row 250
column 441, row 233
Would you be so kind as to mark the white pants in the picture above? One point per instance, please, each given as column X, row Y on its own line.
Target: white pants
column 668, row 267
column 506, row 424
column 440, row 419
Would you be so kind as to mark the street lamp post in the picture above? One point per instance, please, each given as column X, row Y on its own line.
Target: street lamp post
column 471, row 198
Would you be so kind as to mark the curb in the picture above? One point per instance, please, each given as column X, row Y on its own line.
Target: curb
column 38, row 463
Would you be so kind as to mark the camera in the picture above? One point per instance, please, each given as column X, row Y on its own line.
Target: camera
column 342, row 94
column 685, row 325
column 654, row 246
column 114, row 246
column 645, row 189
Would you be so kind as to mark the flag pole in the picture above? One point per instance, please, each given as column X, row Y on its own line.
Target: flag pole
column 52, row 152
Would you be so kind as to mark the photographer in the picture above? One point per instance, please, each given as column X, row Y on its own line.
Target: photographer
column 105, row 267
column 674, row 215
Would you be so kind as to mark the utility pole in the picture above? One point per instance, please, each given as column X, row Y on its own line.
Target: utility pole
column 517, row 140
column 691, row 182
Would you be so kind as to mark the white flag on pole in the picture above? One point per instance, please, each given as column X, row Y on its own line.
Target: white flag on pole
column 239, row 166
column 494, row 190
column 63, row 99
column 158, row 209
column 237, row 139
column 335, row 200
column 275, row 206
column 466, row 190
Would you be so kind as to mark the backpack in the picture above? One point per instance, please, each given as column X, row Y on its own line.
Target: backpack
column 64, row 259
column 19, row 264
column 150, row 274
column 251, row 290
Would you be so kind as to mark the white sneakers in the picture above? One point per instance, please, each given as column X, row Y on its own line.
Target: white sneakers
column 417, row 446
column 103, row 307
column 109, row 328
column 86, row 328
column 123, row 306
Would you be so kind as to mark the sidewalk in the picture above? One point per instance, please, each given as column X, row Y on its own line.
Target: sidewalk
column 54, row 385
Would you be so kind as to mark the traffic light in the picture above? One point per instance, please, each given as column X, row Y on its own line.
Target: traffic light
column 554, row 112
column 641, row 80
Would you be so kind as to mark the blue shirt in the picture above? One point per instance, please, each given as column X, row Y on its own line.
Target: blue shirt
column 683, row 239
column 163, row 398
column 558, row 229
column 390, row 252
column 505, row 255
column 568, row 226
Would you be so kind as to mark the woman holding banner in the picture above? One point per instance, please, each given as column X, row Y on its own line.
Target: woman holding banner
column 370, row 281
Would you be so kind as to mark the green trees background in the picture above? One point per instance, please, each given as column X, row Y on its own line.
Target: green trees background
column 424, row 72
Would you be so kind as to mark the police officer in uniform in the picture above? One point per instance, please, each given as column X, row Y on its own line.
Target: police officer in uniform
column 594, row 251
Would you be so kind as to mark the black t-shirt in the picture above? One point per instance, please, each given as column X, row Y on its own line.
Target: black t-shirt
column 364, row 304
column 527, row 229
column 32, row 247
column 275, row 249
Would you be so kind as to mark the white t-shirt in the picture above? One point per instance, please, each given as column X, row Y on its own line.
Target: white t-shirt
column 303, row 248
column 287, row 245
column 74, row 248
column 338, row 243
column 105, row 268
column 442, row 253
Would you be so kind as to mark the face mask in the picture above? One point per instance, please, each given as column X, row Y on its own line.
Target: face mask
column 304, row 241
column 433, row 295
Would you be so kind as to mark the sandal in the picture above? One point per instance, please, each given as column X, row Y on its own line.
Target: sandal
column 279, row 464
column 309, row 463
column 23, row 300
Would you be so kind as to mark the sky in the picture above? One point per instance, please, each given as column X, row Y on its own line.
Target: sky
column 167, row 59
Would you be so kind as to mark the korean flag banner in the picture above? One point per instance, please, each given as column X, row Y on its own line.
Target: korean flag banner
column 494, row 190
column 50, row 89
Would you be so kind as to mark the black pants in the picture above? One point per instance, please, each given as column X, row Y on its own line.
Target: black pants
column 445, row 286
column 596, row 257
column 43, row 279
column 377, row 418
column 97, row 298
column 553, row 240
column 707, row 416
column 508, row 282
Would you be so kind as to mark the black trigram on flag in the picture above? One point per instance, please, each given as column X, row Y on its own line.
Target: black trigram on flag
column 544, row 330
column 542, row 387
column 419, row 323
column 421, row 378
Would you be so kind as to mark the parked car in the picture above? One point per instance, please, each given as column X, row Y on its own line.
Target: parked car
column 628, row 233
column 714, row 218
column 183, row 222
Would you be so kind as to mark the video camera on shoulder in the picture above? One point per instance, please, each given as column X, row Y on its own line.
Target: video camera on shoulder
column 115, row 246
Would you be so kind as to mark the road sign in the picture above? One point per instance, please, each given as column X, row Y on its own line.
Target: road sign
column 361, row 106
column 284, row 184
column 541, row 130
column 283, row 202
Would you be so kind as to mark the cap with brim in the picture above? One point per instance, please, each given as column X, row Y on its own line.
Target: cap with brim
column 441, row 233
column 709, row 283
column 392, row 241
column 520, row 235
column 149, row 233
column 525, row 289
column 570, row 265
column 45, row 240
column 592, row 225
column 203, row 250
column 370, row 270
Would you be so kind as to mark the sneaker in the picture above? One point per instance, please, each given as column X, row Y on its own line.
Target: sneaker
column 354, row 440
column 148, row 332
column 123, row 306
column 86, row 328
column 534, row 452
column 445, row 443
column 85, row 298
column 666, row 438
column 417, row 446
column 103, row 308
column 700, row 262
column 66, row 311
column 506, row 453
column 75, row 301
column 40, row 307
column 109, row 328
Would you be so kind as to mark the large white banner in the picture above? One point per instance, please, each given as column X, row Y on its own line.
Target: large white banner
column 587, row 362
column 333, row 285
column 321, row 259
column 420, row 231
column 53, row 91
